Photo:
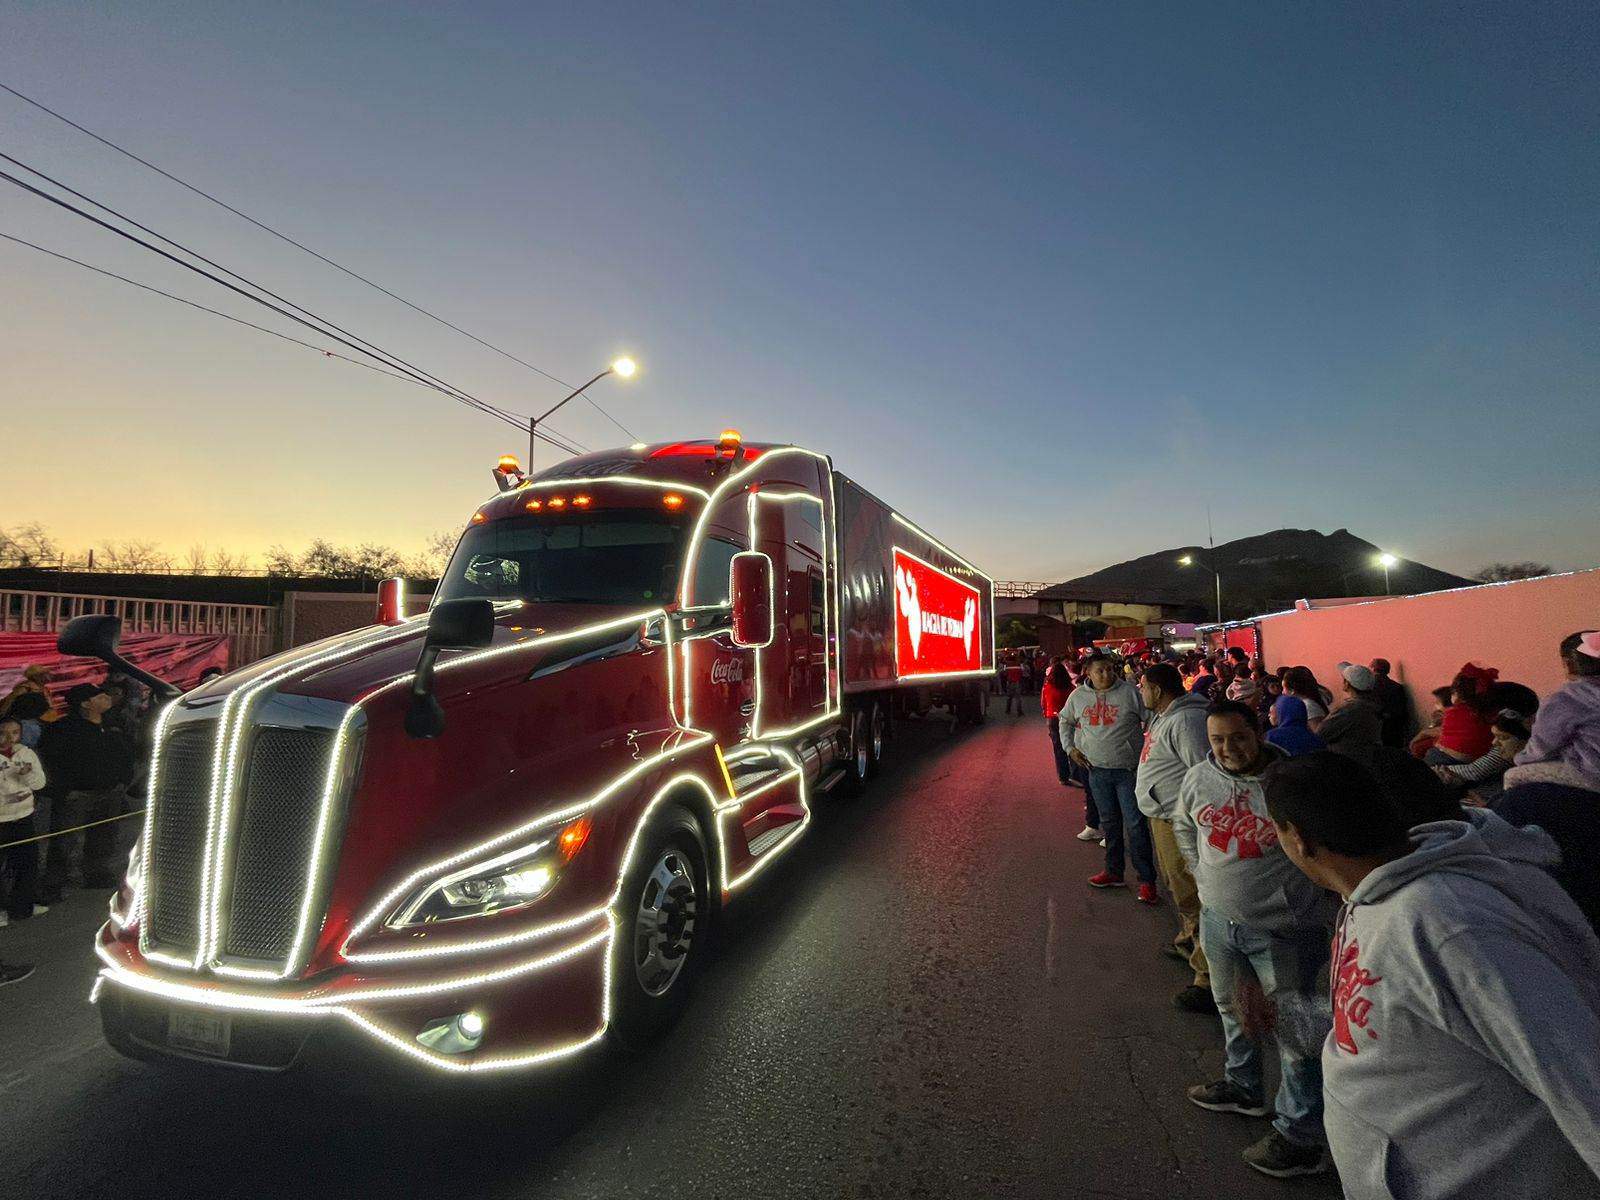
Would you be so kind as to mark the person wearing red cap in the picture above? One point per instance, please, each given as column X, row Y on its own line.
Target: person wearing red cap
column 1466, row 733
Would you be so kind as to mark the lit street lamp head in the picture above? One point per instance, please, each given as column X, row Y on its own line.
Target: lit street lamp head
column 1186, row 561
column 1387, row 560
column 624, row 367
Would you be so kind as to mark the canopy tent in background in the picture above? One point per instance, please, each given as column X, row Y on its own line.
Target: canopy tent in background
column 178, row 658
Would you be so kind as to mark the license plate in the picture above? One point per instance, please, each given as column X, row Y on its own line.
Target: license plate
column 205, row 1033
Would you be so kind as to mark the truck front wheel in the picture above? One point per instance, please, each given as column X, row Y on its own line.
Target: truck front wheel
column 662, row 917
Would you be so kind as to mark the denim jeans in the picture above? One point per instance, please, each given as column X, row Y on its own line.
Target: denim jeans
column 1121, row 822
column 1284, row 961
column 1063, row 763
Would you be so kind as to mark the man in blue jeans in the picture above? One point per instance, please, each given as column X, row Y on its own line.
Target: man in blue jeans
column 1102, row 730
column 1259, row 917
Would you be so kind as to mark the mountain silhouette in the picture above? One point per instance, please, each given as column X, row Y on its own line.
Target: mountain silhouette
column 1265, row 573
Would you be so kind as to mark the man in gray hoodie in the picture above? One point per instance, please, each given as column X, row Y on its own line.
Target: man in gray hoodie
column 1174, row 741
column 1464, row 1059
column 1260, row 916
column 1102, row 730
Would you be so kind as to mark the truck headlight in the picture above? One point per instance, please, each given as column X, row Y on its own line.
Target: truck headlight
column 515, row 879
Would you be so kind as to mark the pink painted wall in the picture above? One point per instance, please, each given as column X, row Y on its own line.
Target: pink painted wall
column 1513, row 626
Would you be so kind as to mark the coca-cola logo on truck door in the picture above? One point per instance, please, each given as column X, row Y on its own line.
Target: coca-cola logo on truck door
column 937, row 630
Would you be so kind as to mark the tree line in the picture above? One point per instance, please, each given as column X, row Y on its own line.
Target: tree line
column 32, row 545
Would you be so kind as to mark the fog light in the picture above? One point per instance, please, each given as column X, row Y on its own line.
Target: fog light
column 453, row 1035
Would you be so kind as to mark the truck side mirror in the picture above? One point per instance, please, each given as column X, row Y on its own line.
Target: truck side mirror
column 465, row 624
column 392, row 601
column 97, row 636
column 750, row 588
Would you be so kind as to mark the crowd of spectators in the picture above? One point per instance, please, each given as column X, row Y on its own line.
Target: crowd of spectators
column 65, row 768
column 1410, row 914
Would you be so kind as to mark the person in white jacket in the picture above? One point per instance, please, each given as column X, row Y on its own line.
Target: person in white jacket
column 1464, row 1058
column 20, row 776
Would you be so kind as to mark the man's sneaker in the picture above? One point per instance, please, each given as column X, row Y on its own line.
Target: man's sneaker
column 1106, row 880
column 1195, row 999
column 1148, row 894
column 1223, row 1096
column 1087, row 834
column 14, row 972
column 1277, row 1156
column 1102, row 843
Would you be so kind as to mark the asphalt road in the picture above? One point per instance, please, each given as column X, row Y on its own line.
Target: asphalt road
column 924, row 1000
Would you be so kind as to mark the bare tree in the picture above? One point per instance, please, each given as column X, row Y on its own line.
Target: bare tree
column 282, row 561
column 198, row 559
column 430, row 561
column 28, row 545
column 1501, row 572
column 225, row 562
column 135, row 556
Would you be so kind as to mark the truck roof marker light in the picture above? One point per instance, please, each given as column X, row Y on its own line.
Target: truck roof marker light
column 729, row 441
column 508, row 463
column 534, row 505
column 479, row 517
column 558, row 501
column 673, row 501
column 582, row 501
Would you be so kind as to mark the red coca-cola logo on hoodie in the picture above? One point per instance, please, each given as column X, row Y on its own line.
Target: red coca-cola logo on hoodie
column 1235, row 827
column 1352, row 1009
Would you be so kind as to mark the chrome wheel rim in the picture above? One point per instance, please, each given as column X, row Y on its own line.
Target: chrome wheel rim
column 863, row 761
column 877, row 735
column 664, row 927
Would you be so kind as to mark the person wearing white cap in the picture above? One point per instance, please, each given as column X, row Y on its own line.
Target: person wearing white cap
column 1355, row 726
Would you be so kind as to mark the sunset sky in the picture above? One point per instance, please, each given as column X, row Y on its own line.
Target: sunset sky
column 1049, row 278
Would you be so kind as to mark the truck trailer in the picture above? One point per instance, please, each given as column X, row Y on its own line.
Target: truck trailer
column 488, row 836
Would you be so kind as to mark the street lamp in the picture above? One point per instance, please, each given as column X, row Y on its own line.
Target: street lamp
column 622, row 368
column 1188, row 560
column 1386, row 560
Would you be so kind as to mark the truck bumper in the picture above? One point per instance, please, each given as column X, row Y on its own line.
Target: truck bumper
column 537, row 1007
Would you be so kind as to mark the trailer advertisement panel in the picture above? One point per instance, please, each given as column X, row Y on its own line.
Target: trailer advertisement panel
column 937, row 626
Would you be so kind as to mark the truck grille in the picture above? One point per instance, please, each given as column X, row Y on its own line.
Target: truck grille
column 177, row 837
column 277, row 826
column 275, row 808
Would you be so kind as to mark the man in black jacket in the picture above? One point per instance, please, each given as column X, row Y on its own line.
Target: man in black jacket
column 89, row 765
column 1393, row 705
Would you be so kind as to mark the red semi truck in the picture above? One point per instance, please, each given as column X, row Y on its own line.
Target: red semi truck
column 490, row 836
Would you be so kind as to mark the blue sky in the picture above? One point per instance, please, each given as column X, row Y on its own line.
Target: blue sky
column 1050, row 278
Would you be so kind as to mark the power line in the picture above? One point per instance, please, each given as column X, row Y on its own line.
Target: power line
column 326, row 353
column 244, row 216
column 369, row 345
column 382, row 356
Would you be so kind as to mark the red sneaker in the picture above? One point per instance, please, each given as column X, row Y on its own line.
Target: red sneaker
column 1147, row 894
column 1106, row 880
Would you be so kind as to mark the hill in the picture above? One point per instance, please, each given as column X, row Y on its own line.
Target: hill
column 1268, row 572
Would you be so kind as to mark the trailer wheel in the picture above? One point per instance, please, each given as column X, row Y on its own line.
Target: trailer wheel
column 878, row 734
column 859, row 767
column 662, row 919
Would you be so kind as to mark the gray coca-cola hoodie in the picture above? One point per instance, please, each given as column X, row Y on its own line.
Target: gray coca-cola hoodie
column 1107, row 726
column 1225, row 835
column 1174, row 742
column 1464, row 1059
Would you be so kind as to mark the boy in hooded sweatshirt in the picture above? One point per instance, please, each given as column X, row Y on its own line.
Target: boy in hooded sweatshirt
column 1290, row 732
column 1102, row 730
column 1259, row 916
column 1464, row 1059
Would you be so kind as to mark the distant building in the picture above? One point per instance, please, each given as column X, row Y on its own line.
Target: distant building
column 1071, row 602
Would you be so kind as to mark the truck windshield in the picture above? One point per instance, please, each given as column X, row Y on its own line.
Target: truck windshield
column 621, row 557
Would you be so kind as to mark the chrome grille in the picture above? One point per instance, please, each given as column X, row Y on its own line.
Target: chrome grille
column 177, row 837
column 276, row 827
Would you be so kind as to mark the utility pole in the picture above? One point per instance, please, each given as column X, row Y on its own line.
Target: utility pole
column 623, row 368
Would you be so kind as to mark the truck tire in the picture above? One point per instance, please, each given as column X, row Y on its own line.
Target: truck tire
column 859, row 767
column 877, row 736
column 663, row 920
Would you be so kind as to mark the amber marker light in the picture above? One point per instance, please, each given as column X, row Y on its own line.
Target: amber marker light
column 573, row 837
column 508, row 463
column 558, row 501
column 534, row 505
column 582, row 501
column 478, row 518
column 673, row 501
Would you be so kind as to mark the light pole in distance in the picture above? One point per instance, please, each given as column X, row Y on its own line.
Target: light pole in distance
column 1189, row 560
column 622, row 368
column 1386, row 560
